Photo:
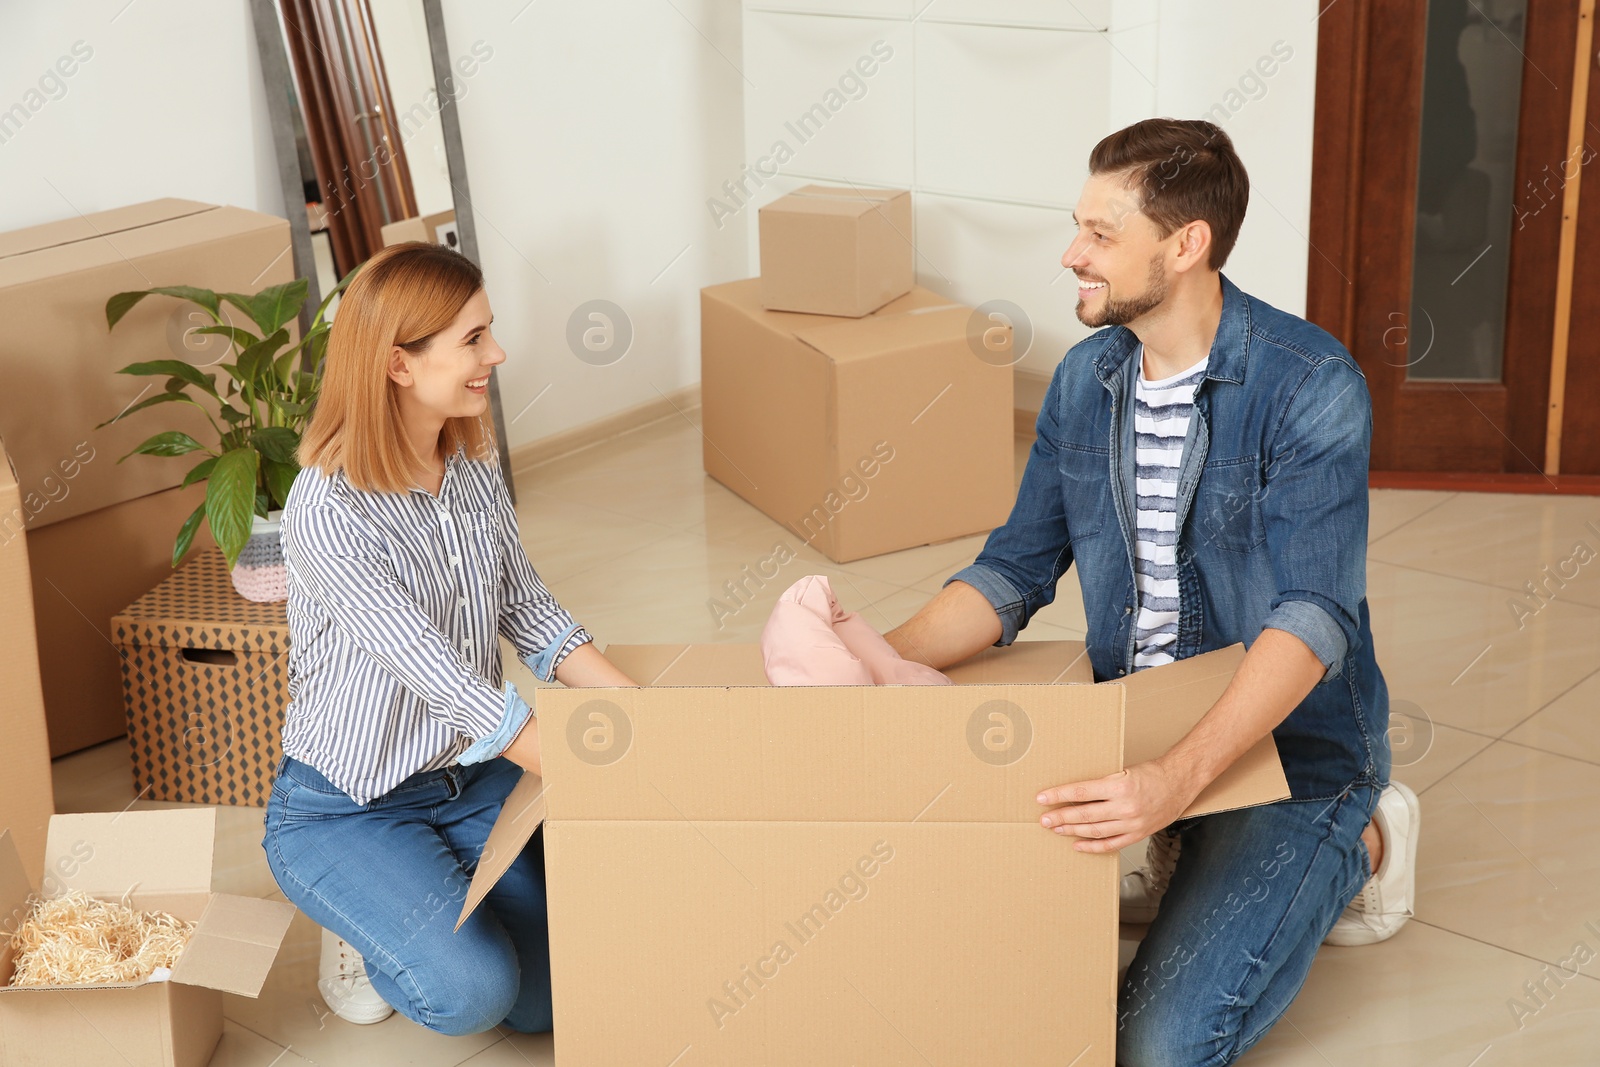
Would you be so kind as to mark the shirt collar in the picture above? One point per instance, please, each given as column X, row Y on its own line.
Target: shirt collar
column 1229, row 350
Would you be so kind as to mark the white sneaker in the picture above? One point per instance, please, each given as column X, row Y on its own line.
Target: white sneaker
column 1140, row 893
column 1385, row 903
column 342, row 981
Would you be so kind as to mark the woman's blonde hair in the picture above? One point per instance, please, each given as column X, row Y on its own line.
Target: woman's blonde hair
column 403, row 295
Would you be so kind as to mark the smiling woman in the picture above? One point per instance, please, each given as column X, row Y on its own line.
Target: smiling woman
column 405, row 568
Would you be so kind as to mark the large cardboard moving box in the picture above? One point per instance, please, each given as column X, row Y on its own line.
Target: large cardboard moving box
column 861, row 436
column 827, row 250
column 154, row 860
column 101, row 532
column 841, row 874
column 26, row 797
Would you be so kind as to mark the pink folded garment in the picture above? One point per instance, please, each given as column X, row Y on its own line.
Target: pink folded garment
column 810, row 640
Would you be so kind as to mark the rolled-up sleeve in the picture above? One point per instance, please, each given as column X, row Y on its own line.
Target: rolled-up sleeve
column 1023, row 559
column 539, row 628
column 1314, row 505
column 348, row 572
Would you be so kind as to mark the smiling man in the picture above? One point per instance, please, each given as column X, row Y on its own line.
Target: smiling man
column 1202, row 460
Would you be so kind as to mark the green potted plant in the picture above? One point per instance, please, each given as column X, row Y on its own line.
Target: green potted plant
column 262, row 399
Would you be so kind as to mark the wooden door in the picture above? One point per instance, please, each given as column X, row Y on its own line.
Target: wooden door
column 1440, row 161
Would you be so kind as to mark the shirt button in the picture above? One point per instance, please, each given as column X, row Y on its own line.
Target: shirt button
column 461, row 602
column 455, row 561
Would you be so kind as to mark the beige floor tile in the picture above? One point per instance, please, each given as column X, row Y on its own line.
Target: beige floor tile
column 292, row 1013
column 241, row 1048
column 1390, row 509
column 563, row 537
column 1507, row 539
column 1570, row 726
column 1510, row 852
column 684, row 588
column 1429, row 998
column 1451, row 647
column 1424, row 752
column 518, row 1050
column 653, row 473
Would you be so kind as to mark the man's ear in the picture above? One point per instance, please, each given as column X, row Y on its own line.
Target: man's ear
column 1194, row 246
column 399, row 368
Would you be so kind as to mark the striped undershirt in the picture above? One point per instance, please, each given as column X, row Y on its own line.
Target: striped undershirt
column 1160, row 423
column 396, row 605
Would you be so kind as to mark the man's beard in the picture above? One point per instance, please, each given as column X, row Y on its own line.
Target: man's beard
column 1115, row 312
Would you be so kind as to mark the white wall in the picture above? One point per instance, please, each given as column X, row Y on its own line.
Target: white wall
column 168, row 103
column 987, row 110
column 592, row 135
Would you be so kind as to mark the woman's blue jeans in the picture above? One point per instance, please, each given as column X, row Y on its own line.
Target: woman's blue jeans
column 389, row 877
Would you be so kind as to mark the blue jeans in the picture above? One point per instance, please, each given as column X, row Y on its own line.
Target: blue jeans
column 1254, row 893
column 389, row 877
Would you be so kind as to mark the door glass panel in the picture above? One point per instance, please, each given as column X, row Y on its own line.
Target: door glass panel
column 1471, row 90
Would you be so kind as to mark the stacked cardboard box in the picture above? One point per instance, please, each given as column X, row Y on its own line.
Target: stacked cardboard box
column 842, row 874
column 205, row 676
column 100, row 532
column 150, row 860
column 843, row 400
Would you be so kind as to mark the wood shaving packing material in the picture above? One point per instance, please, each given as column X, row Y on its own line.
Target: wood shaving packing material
column 78, row 940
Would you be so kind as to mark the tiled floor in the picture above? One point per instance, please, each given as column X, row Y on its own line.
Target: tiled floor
column 1497, row 701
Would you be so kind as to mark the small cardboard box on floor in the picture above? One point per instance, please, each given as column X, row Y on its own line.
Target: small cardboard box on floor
column 100, row 531
column 827, row 250
column 861, row 436
column 155, row 860
column 752, row 875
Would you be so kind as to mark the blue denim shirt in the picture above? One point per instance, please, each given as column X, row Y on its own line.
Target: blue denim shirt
column 1272, row 520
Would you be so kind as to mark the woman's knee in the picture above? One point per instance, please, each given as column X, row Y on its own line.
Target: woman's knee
column 467, row 992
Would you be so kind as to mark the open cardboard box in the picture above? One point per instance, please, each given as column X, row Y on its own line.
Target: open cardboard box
column 747, row 874
column 156, row 861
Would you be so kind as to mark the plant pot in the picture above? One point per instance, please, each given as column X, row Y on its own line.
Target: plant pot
column 260, row 575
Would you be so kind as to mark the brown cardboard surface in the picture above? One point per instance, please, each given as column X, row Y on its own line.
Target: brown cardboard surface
column 739, row 820
column 1163, row 703
column 155, row 859
column 860, row 436
column 26, row 788
column 786, row 854
column 85, row 570
column 54, row 283
column 205, row 676
column 828, row 250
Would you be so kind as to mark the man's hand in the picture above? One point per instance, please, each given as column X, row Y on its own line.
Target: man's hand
column 1116, row 811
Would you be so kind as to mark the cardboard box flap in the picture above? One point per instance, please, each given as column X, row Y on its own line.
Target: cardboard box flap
column 833, row 200
column 106, row 854
column 98, row 224
column 520, row 816
column 14, row 892
column 1164, row 704
column 891, row 754
column 874, row 335
column 745, row 295
column 234, row 944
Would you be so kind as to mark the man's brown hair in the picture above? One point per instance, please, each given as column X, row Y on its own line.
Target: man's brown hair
column 1183, row 170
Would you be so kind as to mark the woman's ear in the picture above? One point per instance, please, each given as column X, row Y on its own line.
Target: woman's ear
column 399, row 368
